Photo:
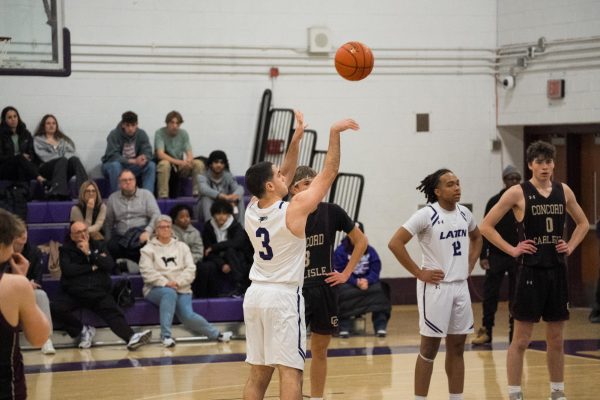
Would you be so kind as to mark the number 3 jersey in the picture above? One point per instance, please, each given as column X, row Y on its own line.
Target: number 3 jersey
column 444, row 239
column 543, row 222
column 278, row 253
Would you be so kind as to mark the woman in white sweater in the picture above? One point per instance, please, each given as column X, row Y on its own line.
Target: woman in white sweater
column 168, row 271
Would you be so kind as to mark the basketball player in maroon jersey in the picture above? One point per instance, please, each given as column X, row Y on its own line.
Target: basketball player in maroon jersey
column 17, row 306
column 540, row 206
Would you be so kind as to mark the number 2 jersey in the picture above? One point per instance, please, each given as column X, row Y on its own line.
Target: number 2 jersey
column 543, row 222
column 278, row 254
column 444, row 239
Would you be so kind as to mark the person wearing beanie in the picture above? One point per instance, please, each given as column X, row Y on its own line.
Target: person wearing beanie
column 497, row 263
column 218, row 183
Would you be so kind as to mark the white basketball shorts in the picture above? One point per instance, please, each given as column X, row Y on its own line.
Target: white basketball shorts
column 444, row 309
column 275, row 326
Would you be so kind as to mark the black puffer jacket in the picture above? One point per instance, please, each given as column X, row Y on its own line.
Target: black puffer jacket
column 77, row 277
column 7, row 147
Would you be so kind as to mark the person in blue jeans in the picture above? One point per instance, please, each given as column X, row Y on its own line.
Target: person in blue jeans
column 168, row 271
column 128, row 147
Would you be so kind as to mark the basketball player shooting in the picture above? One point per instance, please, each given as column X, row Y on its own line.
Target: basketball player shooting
column 273, row 305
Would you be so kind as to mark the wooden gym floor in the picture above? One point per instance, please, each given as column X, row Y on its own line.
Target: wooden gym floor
column 361, row 367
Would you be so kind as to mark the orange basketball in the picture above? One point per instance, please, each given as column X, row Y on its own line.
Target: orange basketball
column 354, row 61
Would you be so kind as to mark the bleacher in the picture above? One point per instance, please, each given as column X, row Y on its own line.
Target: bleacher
column 49, row 220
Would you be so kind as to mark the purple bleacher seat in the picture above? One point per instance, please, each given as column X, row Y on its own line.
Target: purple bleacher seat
column 59, row 211
column 41, row 234
column 165, row 205
column 224, row 309
column 37, row 212
column 145, row 313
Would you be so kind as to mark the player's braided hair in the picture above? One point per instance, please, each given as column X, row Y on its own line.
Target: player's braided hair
column 430, row 182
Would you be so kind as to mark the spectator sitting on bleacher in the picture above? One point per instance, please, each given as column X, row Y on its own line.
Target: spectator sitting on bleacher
column 174, row 152
column 16, row 150
column 227, row 254
column 86, row 267
column 128, row 147
column 218, row 183
column 168, row 271
column 56, row 151
column 181, row 215
column 130, row 216
column 363, row 292
column 90, row 209
column 34, row 274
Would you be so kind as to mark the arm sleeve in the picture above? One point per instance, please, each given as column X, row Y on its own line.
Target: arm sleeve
column 188, row 274
column 101, row 257
column 41, row 150
column 153, row 211
column 97, row 226
column 69, row 150
column 159, row 143
column 145, row 146
column 196, row 246
column 113, row 149
column 70, row 268
column 374, row 266
column 205, row 187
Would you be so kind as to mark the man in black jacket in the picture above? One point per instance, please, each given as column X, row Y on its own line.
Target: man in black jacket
column 497, row 263
column 86, row 283
column 227, row 253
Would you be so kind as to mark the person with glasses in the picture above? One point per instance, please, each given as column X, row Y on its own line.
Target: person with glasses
column 218, row 183
column 85, row 281
column 90, row 209
column 130, row 216
column 497, row 263
column 168, row 270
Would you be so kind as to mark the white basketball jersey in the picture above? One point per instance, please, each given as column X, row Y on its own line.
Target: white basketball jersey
column 279, row 256
column 444, row 239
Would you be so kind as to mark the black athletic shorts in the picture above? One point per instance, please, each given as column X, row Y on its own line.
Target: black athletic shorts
column 321, row 309
column 541, row 293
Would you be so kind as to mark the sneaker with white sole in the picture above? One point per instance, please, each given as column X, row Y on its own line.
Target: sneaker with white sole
column 87, row 334
column 344, row 334
column 381, row 333
column 139, row 339
column 515, row 396
column 225, row 337
column 48, row 348
column 168, row 342
column 559, row 395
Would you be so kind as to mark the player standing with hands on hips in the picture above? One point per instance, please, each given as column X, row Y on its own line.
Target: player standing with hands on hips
column 273, row 305
column 540, row 206
column 451, row 244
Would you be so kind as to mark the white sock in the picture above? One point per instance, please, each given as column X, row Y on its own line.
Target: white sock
column 557, row 386
column 455, row 396
column 420, row 397
column 514, row 389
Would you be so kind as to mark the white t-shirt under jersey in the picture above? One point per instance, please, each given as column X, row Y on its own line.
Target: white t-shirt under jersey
column 278, row 254
column 444, row 239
